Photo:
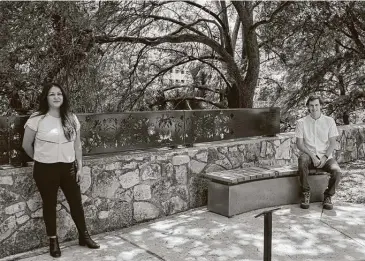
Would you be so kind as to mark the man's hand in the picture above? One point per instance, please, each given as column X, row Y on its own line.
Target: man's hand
column 323, row 161
column 316, row 161
column 78, row 176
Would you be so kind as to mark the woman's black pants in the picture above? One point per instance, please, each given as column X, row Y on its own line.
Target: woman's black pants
column 49, row 177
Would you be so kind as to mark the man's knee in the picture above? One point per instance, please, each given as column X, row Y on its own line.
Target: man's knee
column 336, row 173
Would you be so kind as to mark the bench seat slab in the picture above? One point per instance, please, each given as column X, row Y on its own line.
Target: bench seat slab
column 229, row 200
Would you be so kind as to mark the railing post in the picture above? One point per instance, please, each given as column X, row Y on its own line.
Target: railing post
column 9, row 141
column 267, row 232
column 184, row 132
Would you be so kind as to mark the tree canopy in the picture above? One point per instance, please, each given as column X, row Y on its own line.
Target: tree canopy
column 114, row 55
column 323, row 54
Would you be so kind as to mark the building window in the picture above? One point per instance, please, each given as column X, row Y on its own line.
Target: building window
column 182, row 71
column 182, row 81
column 177, row 70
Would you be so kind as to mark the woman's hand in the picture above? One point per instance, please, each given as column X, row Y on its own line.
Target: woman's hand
column 78, row 176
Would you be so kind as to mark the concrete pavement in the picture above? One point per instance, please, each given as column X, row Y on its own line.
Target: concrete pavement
column 199, row 235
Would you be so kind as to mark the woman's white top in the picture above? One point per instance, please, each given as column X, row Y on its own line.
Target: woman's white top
column 51, row 145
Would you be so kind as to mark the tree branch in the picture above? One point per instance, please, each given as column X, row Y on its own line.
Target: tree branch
column 207, row 11
column 272, row 16
column 154, row 41
column 346, row 47
column 355, row 37
column 183, row 25
column 200, row 87
column 218, row 105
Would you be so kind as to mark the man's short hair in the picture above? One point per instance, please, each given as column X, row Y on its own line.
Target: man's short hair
column 313, row 98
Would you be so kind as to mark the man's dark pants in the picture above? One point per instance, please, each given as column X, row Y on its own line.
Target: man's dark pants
column 331, row 166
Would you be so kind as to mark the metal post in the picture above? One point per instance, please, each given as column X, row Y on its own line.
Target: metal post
column 267, row 232
column 267, row 236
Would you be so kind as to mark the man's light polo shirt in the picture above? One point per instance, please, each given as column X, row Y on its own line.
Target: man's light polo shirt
column 316, row 133
column 51, row 145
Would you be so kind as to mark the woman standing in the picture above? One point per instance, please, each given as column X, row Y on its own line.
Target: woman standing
column 55, row 133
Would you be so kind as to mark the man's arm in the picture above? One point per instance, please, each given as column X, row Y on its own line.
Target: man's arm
column 329, row 151
column 303, row 148
column 331, row 147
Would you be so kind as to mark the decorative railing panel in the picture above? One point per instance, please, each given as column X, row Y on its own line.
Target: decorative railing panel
column 115, row 132
column 102, row 133
column 215, row 125
column 4, row 141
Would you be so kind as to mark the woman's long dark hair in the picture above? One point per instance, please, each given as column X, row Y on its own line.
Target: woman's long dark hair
column 67, row 118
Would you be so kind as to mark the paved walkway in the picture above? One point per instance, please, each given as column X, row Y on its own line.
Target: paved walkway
column 199, row 235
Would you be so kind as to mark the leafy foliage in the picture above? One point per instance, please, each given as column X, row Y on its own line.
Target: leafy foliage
column 321, row 50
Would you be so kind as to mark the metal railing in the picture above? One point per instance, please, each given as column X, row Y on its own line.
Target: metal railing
column 116, row 132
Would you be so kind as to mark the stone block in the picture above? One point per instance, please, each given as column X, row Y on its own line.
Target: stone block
column 130, row 165
column 129, row 179
column 124, row 195
column 151, row 171
column 7, row 228
column 235, row 158
column 6, row 180
column 202, row 156
column 142, row 192
column 213, row 167
column 7, row 196
column 174, row 205
column 35, row 202
column 225, row 163
column 181, row 174
column 197, row 166
column 105, row 185
column 167, row 170
column 113, row 166
column 19, row 214
column 144, row 211
column 198, row 191
column 15, row 208
column 85, row 179
column 180, row 159
column 65, row 225
column 103, row 214
column 38, row 213
column 24, row 185
column 21, row 220
column 30, row 235
column 283, row 151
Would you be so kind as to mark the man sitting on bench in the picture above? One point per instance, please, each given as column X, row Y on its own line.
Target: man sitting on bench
column 316, row 139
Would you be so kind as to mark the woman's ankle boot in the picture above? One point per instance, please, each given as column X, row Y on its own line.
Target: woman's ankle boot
column 54, row 247
column 85, row 240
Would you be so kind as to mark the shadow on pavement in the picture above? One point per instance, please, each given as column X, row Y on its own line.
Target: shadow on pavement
column 199, row 235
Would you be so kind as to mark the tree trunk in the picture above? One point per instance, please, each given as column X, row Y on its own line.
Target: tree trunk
column 341, row 85
column 247, row 87
column 232, row 96
column 346, row 118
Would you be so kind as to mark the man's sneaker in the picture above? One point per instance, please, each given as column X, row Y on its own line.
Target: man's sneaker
column 327, row 204
column 305, row 200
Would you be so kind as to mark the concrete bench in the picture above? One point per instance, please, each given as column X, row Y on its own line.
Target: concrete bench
column 237, row 191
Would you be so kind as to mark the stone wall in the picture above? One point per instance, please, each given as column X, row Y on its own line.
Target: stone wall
column 127, row 188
